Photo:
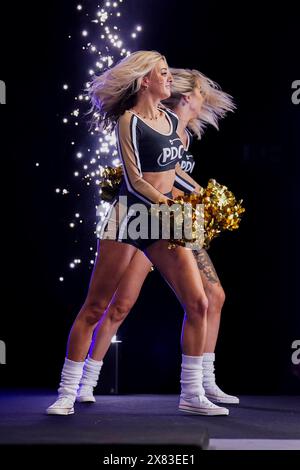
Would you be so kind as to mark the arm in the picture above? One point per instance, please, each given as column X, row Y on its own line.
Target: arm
column 185, row 182
column 128, row 145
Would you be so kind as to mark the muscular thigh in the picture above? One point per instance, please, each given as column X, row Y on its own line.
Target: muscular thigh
column 133, row 278
column 207, row 270
column 179, row 268
column 113, row 258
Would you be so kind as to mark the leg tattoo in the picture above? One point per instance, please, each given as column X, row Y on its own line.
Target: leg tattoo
column 206, row 266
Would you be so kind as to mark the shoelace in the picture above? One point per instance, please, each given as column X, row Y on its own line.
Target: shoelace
column 206, row 401
column 63, row 401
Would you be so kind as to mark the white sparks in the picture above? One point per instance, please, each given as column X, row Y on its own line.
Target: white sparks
column 103, row 42
column 103, row 16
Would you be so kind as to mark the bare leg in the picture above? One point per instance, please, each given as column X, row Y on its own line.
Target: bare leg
column 216, row 298
column 112, row 261
column 215, row 295
column 180, row 270
column 124, row 298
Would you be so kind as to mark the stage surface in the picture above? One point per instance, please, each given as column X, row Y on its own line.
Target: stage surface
column 264, row 422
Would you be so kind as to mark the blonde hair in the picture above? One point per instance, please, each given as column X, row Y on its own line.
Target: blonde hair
column 115, row 90
column 216, row 102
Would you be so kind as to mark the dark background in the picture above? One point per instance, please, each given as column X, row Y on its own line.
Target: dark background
column 253, row 55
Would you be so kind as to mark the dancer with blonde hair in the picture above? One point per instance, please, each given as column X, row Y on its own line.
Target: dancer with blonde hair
column 198, row 102
column 127, row 98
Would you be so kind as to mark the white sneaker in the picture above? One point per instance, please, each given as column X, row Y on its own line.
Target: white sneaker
column 85, row 394
column 62, row 406
column 218, row 396
column 200, row 405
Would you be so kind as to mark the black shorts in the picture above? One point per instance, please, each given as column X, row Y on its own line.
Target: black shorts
column 125, row 223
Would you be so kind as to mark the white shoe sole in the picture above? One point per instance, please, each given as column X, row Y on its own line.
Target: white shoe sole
column 203, row 411
column 86, row 399
column 60, row 411
column 229, row 401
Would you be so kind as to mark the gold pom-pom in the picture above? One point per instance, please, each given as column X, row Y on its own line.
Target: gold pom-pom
column 211, row 212
column 198, row 217
column 182, row 221
column 112, row 178
column 221, row 210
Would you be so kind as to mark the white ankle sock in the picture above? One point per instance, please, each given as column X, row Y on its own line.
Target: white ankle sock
column 90, row 373
column 70, row 378
column 209, row 379
column 191, row 376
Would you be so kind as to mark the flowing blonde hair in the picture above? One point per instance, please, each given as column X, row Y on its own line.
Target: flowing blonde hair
column 115, row 90
column 216, row 102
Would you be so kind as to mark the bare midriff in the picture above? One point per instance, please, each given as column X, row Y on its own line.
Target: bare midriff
column 162, row 181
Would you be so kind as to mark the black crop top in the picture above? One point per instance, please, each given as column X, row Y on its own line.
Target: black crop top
column 144, row 149
column 187, row 162
column 156, row 151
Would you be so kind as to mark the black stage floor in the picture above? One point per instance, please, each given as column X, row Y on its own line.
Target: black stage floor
column 143, row 419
